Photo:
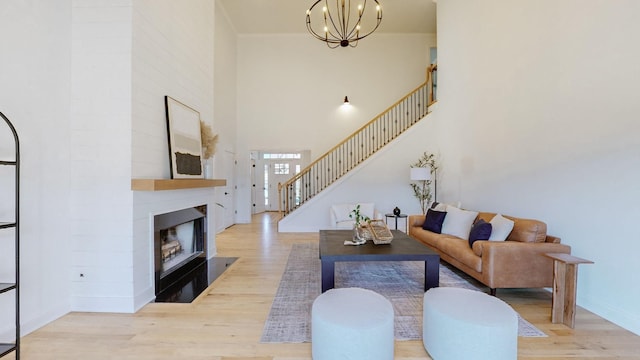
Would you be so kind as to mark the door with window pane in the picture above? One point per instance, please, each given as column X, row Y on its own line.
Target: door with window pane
column 277, row 169
column 278, row 172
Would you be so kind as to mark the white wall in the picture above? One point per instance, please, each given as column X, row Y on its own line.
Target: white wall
column 290, row 88
column 34, row 95
column 225, row 81
column 100, row 127
column 538, row 118
column 225, row 114
column 173, row 54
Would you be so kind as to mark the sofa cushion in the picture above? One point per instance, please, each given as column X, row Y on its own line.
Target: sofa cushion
column 433, row 221
column 481, row 230
column 500, row 228
column 458, row 222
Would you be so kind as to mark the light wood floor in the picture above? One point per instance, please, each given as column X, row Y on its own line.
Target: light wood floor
column 225, row 323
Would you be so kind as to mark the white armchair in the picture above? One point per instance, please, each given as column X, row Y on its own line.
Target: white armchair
column 340, row 214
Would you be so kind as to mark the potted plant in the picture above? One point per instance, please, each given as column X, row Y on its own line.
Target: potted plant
column 422, row 186
column 359, row 235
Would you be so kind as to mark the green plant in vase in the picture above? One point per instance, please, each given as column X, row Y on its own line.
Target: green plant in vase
column 358, row 231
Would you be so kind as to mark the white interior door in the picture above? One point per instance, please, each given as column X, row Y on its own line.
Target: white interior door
column 257, row 187
column 228, row 191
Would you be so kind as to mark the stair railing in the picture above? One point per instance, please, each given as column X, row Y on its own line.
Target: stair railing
column 356, row 148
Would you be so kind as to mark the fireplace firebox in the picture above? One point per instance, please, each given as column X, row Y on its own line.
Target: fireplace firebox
column 179, row 244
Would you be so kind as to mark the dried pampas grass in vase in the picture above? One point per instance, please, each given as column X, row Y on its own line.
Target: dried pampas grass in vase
column 209, row 140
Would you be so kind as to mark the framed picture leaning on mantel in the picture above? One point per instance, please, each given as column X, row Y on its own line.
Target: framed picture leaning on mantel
column 185, row 143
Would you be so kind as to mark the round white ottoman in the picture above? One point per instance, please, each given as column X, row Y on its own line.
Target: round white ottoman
column 467, row 324
column 352, row 323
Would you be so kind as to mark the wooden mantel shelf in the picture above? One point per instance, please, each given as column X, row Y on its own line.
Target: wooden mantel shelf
column 174, row 184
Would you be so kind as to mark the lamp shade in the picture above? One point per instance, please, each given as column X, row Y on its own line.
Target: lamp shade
column 420, row 173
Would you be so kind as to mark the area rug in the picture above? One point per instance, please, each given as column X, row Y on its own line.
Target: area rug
column 402, row 282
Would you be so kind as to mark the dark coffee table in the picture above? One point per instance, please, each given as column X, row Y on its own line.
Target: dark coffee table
column 402, row 248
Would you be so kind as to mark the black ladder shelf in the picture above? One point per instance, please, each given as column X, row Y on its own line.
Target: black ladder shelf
column 6, row 289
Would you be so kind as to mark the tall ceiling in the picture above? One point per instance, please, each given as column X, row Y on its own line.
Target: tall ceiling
column 288, row 16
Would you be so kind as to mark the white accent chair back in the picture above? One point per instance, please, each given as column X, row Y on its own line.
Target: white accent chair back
column 340, row 214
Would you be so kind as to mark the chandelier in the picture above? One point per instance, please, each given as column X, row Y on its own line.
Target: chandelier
column 340, row 25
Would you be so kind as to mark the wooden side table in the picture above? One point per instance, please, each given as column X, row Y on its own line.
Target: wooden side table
column 565, row 282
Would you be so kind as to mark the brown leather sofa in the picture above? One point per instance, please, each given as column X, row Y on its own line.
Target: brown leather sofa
column 515, row 263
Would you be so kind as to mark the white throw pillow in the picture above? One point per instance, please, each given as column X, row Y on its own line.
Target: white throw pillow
column 500, row 228
column 458, row 222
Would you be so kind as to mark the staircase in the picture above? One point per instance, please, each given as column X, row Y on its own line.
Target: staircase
column 356, row 148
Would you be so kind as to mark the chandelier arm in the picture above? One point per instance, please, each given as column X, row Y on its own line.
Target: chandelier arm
column 312, row 31
column 309, row 27
column 331, row 36
column 348, row 36
column 354, row 29
column 360, row 15
column 337, row 28
column 334, row 46
column 319, row 37
column 325, row 38
column 336, row 36
column 371, row 32
column 345, row 19
column 378, row 18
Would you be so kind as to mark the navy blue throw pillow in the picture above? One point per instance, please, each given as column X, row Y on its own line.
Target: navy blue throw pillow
column 481, row 230
column 433, row 221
